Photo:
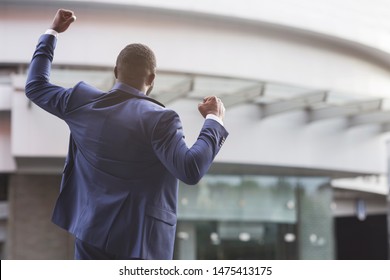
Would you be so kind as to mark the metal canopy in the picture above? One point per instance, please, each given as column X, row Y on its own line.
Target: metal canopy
column 345, row 110
column 297, row 103
column 243, row 96
column 379, row 117
column 271, row 97
column 177, row 91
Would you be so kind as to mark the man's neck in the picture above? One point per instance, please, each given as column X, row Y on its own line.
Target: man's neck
column 141, row 88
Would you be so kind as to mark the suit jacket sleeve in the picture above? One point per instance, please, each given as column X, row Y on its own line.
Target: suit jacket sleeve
column 187, row 164
column 49, row 97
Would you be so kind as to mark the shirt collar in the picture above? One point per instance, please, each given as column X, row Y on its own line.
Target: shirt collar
column 129, row 89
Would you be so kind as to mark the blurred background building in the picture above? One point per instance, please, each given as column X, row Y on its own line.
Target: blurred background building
column 307, row 88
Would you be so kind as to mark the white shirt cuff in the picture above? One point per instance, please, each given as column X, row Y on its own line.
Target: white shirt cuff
column 215, row 118
column 52, row 32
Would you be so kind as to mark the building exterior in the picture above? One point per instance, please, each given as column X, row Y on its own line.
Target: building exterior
column 306, row 86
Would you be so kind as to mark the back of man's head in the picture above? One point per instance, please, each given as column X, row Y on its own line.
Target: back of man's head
column 135, row 63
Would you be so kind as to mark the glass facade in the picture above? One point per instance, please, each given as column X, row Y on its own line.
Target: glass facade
column 255, row 217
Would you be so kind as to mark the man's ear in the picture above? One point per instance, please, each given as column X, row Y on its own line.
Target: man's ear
column 116, row 72
column 150, row 79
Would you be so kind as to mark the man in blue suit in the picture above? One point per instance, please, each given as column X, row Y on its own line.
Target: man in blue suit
column 119, row 188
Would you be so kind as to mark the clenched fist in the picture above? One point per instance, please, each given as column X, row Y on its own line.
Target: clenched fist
column 212, row 105
column 62, row 20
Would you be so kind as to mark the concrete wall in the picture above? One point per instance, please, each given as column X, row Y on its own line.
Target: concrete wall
column 31, row 235
column 363, row 22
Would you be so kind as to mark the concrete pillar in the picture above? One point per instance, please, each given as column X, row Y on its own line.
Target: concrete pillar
column 31, row 234
column 186, row 241
column 315, row 219
column 388, row 198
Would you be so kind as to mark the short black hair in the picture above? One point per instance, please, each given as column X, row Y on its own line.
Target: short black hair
column 135, row 62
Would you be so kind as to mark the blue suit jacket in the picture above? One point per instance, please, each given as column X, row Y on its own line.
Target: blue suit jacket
column 126, row 151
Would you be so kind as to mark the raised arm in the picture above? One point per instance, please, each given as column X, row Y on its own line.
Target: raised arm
column 50, row 97
column 190, row 164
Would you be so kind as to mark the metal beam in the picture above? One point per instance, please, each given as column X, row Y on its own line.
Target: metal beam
column 19, row 82
column 380, row 117
column 245, row 95
column 344, row 110
column 301, row 102
column 19, row 85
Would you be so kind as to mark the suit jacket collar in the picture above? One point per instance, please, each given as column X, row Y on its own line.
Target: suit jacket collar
column 133, row 91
